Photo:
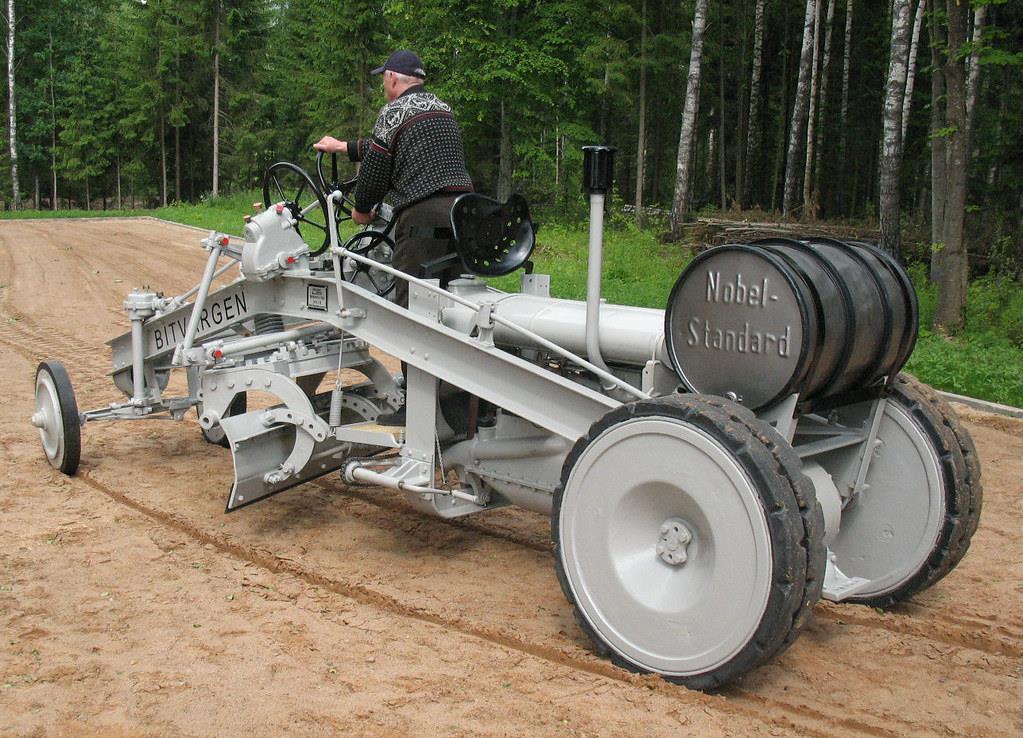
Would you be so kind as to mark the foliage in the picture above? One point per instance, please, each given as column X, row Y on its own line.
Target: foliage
column 129, row 103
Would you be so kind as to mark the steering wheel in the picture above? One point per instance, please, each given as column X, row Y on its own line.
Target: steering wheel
column 333, row 182
column 305, row 201
column 375, row 245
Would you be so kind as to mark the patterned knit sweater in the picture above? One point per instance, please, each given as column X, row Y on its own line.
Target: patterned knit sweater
column 415, row 152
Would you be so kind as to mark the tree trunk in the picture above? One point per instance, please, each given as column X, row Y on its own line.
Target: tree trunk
column 890, row 166
column 937, row 151
column 163, row 159
column 708, row 166
column 215, row 190
column 641, row 133
column 505, row 169
column 951, row 252
column 53, row 133
column 12, row 117
column 914, row 46
column 682, row 202
column 753, row 118
column 973, row 77
column 740, row 108
column 88, row 197
column 809, row 206
column 117, row 161
column 783, row 101
column 822, row 106
column 35, row 200
column 844, row 110
column 721, row 104
column 177, row 163
column 177, row 103
column 797, row 127
column 603, row 101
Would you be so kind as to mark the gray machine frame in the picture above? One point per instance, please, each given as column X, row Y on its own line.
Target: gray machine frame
column 498, row 347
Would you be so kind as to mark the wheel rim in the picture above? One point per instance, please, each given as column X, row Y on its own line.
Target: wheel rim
column 889, row 531
column 675, row 619
column 51, row 421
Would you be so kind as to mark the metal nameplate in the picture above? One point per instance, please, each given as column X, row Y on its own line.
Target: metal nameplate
column 316, row 297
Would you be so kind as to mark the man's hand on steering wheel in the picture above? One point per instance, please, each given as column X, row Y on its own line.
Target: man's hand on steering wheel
column 331, row 145
column 364, row 218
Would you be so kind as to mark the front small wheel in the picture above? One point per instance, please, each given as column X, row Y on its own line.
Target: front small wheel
column 56, row 417
column 688, row 539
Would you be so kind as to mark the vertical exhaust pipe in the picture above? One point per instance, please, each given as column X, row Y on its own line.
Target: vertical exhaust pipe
column 598, row 173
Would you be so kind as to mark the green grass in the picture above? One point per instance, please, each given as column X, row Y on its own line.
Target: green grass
column 985, row 360
column 220, row 214
column 637, row 269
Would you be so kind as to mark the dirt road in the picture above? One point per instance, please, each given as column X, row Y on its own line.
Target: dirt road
column 130, row 604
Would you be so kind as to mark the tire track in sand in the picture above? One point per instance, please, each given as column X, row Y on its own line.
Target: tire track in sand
column 793, row 716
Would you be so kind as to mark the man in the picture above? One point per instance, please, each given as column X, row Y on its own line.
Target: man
column 414, row 160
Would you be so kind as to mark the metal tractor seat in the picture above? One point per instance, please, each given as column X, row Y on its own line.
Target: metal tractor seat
column 489, row 238
column 492, row 238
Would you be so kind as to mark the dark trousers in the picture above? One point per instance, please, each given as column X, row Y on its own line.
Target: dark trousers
column 412, row 249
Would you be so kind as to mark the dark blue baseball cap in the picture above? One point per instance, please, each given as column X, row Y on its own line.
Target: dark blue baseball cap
column 403, row 62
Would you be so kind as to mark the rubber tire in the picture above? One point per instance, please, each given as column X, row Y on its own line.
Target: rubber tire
column 216, row 435
column 964, row 494
column 71, row 425
column 795, row 521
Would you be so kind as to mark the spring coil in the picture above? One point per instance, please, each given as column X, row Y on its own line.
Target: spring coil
column 268, row 323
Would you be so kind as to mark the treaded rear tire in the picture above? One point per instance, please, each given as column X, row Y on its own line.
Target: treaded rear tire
column 964, row 494
column 794, row 519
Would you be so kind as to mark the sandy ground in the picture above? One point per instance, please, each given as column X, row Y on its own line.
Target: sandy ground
column 130, row 604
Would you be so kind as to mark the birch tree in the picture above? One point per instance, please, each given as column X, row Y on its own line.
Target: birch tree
column 823, row 104
column 12, row 108
column 809, row 207
column 215, row 189
column 753, row 130
column 682, row 202
column 973, row 76
column 641, row 132
column 891, row 124
column 914, row 45
column 843, row 115
column 800, row 108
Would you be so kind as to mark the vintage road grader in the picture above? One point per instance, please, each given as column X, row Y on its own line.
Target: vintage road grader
column 711, row 469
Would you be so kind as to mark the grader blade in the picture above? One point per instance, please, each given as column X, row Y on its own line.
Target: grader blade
column 262, row 454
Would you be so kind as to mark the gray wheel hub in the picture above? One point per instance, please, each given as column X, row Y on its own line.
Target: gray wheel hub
column 674, row 541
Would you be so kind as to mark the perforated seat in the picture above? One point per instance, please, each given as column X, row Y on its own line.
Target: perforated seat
column 492, row 238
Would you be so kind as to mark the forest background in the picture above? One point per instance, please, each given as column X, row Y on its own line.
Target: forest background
column 903, row 115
